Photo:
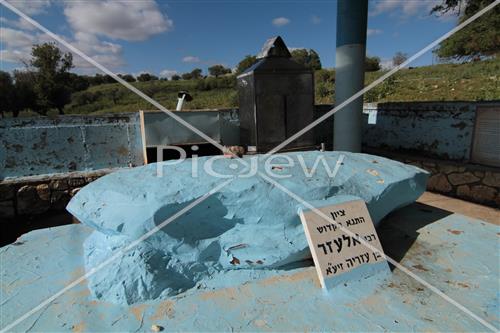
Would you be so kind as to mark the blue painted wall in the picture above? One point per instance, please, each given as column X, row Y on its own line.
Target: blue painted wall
column 434, row 129
column 222, row 125
column 36, row 146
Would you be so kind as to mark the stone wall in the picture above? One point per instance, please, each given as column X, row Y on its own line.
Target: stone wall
column 31, row 196
column 471, row 182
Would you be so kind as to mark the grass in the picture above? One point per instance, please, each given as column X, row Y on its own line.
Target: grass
column 474, row 81
column 116, row 98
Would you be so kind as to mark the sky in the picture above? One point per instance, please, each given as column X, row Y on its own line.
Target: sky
column 164, row 37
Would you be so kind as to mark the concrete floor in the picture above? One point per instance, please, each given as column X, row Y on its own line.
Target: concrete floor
column 452, row 252
column 485, row 213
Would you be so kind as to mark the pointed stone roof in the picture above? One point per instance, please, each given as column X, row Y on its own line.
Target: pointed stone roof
column 274, row 47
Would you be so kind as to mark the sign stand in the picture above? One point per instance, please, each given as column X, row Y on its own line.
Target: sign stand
column 347, row 246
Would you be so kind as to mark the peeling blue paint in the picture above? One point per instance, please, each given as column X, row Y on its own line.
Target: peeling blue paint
column 37, row 146
column 249, row 224
column 463, row 266
column 442, row 130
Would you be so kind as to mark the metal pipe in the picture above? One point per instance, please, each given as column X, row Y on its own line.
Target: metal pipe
column 180, row 102
column 352, row 17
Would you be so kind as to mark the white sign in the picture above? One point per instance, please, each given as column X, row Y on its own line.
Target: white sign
column 338, row 255
column 372, row 117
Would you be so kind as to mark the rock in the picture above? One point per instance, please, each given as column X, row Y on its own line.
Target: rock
column 74, row 191
column 432, row 171
column 249, row 219
column 462, row 178
column 479, row 174
column 439, row 183
column 449, row 168
column 492, row 179
column 481, row 193
column 29, row 202
column 7, row 209
column 43, row 192
column 59, row 185
column 76, row 182
column 7, row 192
column 59, row 199
column 463, row 191
column 90, row 179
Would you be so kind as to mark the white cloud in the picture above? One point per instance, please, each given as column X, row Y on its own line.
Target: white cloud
column 90, row 44
column 106, row 53
column 316, row 19
column 382, row 6
column 403, row 8
column 18, row 45
column 107, row 60
column 16, row 39
column 280, row 21
column 90, row 21
column 114, row 19
column 190, row 59
column 14, row 56
column 31, row 7
column 118, row 19
column 168, row 73
column 20, row 23
column 371, row 32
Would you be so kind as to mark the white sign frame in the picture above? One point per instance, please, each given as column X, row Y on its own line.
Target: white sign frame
column 340, row 256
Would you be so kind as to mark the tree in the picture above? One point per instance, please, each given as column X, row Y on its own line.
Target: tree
column 479, row 38
column 96, row 80
column 372, row 64
column 175, row 77
column 399, row 58
column 144, row 77
column 307, row 58
column 246, row 63
column 6, row 92
column 25, row 96
column 217, row 70
column 109, row 79
column 52, row 80
column 187, row 76
column 126, row 77
column 78, row 82
column 196, row 73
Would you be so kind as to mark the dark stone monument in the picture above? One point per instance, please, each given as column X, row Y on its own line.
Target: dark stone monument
column 276, row 99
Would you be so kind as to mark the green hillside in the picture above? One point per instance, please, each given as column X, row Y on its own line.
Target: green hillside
column 470, row 81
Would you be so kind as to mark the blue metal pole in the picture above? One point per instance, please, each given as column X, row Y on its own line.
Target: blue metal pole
column 352, row 17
